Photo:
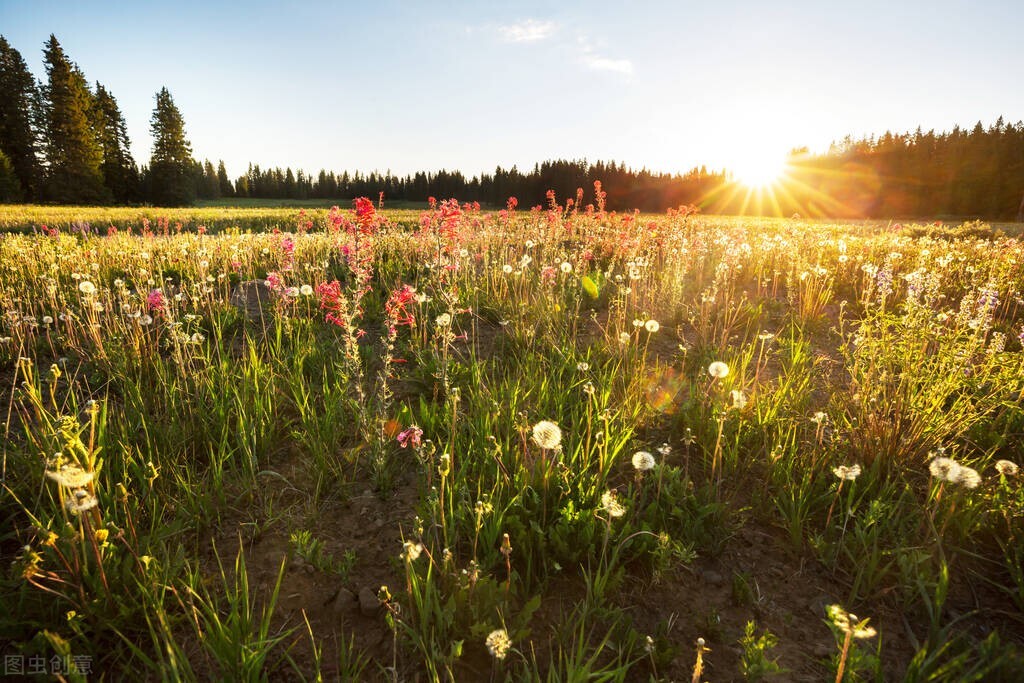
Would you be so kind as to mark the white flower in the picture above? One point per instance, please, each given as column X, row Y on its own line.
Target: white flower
column 624, row 337
column 411, row 551
column 739, row 399
column 583, row 366
column 86, row 287
column 566, row 267
column 306, row 290
column 80, row 502
column 507, row 269
column 718, row 369
column 443, row 320
column 945, row 469
column 610, row 504
column 70, row 476
column 643, row 461
column 968, row 477
column 849, row 473
column 547, row 435
column 652, row 326
column 498, row 643
column 1007, row 468
column 47, row 320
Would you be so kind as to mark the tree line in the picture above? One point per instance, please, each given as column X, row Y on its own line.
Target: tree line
column 64, row 141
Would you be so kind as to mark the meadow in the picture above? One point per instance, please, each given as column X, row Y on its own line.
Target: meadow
column 555, row 444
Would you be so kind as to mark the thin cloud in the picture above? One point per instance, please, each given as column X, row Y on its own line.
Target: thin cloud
column 622, row 66
column 590, row 59
column 529, row 31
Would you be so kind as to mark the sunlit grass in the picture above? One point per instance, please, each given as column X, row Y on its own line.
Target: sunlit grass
column 551, row 412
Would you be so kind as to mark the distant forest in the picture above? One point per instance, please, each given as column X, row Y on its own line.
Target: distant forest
column 64, row 141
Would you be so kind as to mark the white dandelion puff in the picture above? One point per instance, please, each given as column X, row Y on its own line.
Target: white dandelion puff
column 848, row 473
column 498, row 643
column 547, row 435
column 643, row 461
column 611, row 505
column 718, row 369
column 1007, row 468
column 944, row 469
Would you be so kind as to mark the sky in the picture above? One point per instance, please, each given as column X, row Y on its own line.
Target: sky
column 407, row 86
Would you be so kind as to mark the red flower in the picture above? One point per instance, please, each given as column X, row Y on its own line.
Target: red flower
column 366, row 215
column 398, row 305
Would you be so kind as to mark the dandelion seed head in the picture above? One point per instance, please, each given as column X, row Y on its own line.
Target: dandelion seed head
column 547, row 435
column 70, row 476
column 1007, row 468
column 498, row 643
column 86, row 287
column 411, row 551
column 611, row 505
column 968, row 477
column 718, row 369
column 643, row 461
column 944, row 469
column 80, row 502
column 848, row 473
column 652, row 326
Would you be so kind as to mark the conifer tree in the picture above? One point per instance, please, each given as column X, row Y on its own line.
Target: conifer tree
column 223, row 181
column 172, row 181
column 73, row 154
column 10, row 188
column 120, row 174
column 17, row 103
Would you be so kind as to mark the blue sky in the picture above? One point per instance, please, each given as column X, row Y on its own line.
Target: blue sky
column 418, row 85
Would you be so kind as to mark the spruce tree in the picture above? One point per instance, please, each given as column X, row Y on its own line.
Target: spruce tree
column 10, row 188
column 17, row 104
column 73, row 154
column 171, row 178
column 120, row 174
column 223, row 181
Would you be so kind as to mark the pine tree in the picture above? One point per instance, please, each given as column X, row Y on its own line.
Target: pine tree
column 17, row 103
column 73, row 154
column 10, row 188
column 210, row 184
column 120, row 174
column 223, row 181
column 171, row 167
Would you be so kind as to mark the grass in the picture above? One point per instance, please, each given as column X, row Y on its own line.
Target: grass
column 356, row 479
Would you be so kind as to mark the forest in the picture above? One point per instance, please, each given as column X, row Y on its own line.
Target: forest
column 64, row 141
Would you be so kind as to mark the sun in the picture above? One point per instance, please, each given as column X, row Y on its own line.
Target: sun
column 759, row 170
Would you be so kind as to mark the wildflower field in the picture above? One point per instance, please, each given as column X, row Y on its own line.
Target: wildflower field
column 552, row 444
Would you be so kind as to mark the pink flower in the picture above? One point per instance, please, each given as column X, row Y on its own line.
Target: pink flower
column 275, row 281
column 410, row 437
column 155, row 300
